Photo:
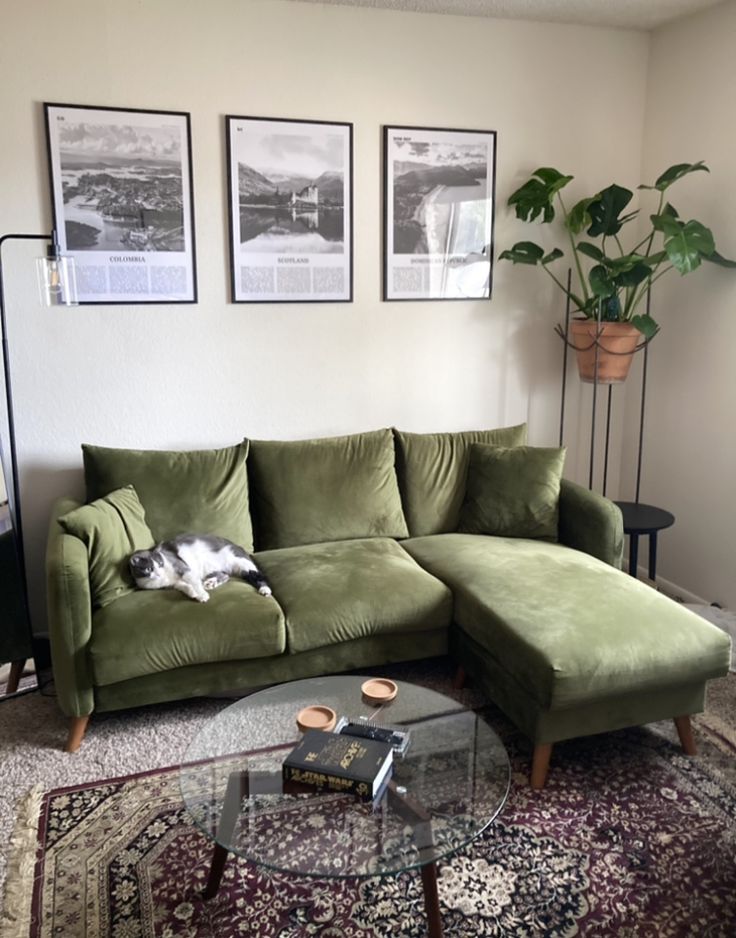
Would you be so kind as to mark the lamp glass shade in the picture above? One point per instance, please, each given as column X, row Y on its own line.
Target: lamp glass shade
column 57, row 280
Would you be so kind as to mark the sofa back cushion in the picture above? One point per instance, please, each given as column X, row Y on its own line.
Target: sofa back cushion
column 433, row 469
column 198, row 492
column 112, row 528
column 333, row 489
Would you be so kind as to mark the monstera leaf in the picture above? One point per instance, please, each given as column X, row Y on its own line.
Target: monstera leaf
column 591, row 250
column 719, row 259
column 629, row 270
column 536, row 196
column 605, row 211
column 601, row 281
column 676, row 172
column 527, row 252
column 686, row 243
column 646, row 325
column 579, row 216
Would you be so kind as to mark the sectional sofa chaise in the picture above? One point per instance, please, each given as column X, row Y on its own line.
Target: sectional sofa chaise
column 381, row 547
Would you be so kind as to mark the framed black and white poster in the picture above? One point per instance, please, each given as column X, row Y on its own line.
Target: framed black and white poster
column 121, row 183
column 439, row 194
column 291, row 210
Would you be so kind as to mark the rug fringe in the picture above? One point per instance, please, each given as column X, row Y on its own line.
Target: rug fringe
column 15, row 917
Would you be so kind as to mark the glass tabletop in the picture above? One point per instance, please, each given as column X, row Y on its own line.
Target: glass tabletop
column 444, row 791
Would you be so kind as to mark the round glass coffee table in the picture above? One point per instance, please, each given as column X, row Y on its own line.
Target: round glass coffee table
column 443, row 792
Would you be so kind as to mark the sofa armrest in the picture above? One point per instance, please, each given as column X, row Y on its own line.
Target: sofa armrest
column 69, row 615
column 591, row 523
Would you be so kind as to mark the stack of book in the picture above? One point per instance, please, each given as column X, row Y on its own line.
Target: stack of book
column 337, row 762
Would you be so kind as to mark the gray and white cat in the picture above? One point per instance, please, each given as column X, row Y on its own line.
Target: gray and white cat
column 195, row 564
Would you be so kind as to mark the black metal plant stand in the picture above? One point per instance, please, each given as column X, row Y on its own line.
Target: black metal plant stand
column 596, row 343
column 638, row 519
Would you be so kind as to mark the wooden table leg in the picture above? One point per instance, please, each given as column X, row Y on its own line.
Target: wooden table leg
column 16, row 672
column 432, row 900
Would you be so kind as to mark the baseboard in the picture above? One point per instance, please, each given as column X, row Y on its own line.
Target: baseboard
column 672, row 589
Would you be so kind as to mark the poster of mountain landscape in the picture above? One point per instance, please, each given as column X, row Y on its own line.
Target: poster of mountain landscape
column 290, row 193
column 439, row 198
column 122, row 194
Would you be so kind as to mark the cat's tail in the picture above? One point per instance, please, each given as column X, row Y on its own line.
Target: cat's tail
column 258, row 581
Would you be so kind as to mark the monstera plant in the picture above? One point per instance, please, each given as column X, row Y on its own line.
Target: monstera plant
column 609, row 280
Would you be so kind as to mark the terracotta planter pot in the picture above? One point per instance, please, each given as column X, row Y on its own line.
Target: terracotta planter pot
column 617, row 342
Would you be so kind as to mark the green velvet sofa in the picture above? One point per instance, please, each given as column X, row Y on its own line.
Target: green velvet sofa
column 363, row 540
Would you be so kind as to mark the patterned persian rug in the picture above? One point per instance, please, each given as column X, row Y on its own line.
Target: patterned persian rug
column 630, row 838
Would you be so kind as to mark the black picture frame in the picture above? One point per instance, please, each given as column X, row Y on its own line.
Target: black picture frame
column 123, row 201
column 437, row 239
column 290, row 210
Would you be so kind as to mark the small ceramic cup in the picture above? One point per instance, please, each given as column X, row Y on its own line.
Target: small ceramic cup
column 316, row 718
column 379, row 690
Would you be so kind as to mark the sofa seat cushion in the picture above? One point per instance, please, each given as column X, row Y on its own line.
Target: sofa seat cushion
column 150, row 631
column 345, row 590
column 567, row 627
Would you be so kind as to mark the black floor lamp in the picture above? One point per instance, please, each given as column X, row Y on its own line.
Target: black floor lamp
column 57, row 287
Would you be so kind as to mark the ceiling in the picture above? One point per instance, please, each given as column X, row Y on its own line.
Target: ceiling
column 631, row 14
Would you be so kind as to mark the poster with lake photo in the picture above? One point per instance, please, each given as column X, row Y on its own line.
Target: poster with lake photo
column 439, row 197
column 121, row 182
column 290, row 192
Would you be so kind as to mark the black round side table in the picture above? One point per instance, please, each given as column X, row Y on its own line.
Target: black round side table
column 644, row 519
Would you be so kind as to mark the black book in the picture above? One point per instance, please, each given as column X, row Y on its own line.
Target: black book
column 340, row 763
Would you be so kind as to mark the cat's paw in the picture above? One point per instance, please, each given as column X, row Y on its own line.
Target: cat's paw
column 202, row 597
column 265, row 590
column 212, row 582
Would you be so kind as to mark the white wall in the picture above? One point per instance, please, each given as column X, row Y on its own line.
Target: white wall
column 205, row 375
column 690, row 441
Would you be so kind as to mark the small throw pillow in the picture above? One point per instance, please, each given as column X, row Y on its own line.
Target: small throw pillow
column 432, row 470
column 513, row 492
column 113, row 528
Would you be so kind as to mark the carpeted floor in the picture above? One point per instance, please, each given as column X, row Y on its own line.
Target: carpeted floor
column 630, row 838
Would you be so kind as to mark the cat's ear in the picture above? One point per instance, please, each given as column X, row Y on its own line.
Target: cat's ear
column 157, row 557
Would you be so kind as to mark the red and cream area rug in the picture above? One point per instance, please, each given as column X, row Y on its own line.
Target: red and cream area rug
column 630, row 838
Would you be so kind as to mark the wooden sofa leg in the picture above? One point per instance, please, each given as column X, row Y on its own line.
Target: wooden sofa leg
column 77, row 726
column 685, row 732
column 540, row 765
column 458, row 681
